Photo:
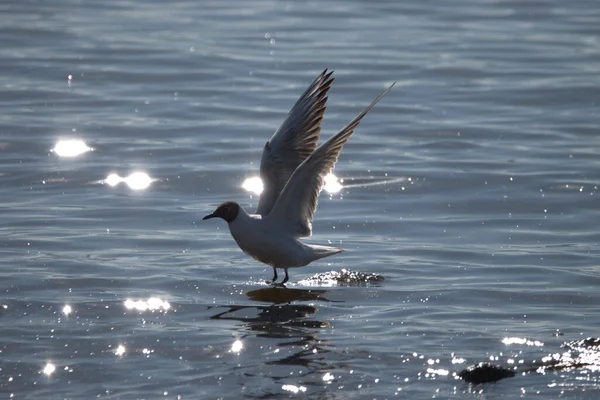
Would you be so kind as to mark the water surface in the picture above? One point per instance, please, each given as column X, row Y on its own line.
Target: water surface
column 486, row 229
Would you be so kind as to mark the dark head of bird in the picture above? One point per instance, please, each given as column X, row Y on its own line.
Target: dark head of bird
column 228, row 211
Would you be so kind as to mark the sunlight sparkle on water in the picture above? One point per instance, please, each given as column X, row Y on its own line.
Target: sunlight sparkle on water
column 332, row 185
column 49, row 369
column 71, row 148
column 294, row 388
column 328, row 377
column 517, row 340
column 237, row 346
column 113, row 180
column 136, row 181
column 67, row 310
column 441, row 372
column 120, row 350
column 152, row 304
column 254, row 184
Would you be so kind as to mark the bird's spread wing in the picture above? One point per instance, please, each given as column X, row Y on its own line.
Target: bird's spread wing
column 297, row 202
column 295, row 140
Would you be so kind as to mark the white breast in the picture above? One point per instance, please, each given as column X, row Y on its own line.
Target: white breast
column 265, row 243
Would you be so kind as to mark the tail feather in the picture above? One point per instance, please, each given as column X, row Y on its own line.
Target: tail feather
column 323, row 251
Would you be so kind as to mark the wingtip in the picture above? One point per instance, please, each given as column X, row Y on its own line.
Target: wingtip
column 327, row 79
column 326, row 71
column 381, row 96
column 387, row 90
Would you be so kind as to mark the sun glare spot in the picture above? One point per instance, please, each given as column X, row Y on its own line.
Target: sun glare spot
column 120, row 350
column 71, row 148
column 67, row 310
column 237, row 346
column 293, row 388
column 152, row 304
column 49, row 369
column 332, row 185
column 136, row 181
column 253, row 185
column 441, row 372
column 113, row 180
column 328, row 377
column 525, row 341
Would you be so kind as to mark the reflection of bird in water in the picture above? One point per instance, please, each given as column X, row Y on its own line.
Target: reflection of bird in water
column 277, row 295
column 278, row 319
column 293, row 172
column 273, row 320
column 283, row 320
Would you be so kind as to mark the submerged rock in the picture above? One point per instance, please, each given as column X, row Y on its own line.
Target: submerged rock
column 484, row 373
column 588, row 357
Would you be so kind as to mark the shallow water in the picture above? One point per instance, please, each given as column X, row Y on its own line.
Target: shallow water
column 472, row 188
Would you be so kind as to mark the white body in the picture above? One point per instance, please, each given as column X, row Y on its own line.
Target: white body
column 268, row 242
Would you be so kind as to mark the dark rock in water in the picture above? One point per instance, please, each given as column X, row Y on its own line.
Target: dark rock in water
column 587, row 357
column 484, row 373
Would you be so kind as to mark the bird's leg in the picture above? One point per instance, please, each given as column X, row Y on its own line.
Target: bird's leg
column 287, row 278
column 274, row 275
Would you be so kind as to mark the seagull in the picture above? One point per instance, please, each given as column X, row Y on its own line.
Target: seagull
column 292, row 170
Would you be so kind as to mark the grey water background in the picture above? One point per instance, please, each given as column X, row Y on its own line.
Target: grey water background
column 486, row 229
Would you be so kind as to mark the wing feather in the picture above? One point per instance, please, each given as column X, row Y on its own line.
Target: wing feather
column 293, row 142
column 297, row 202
